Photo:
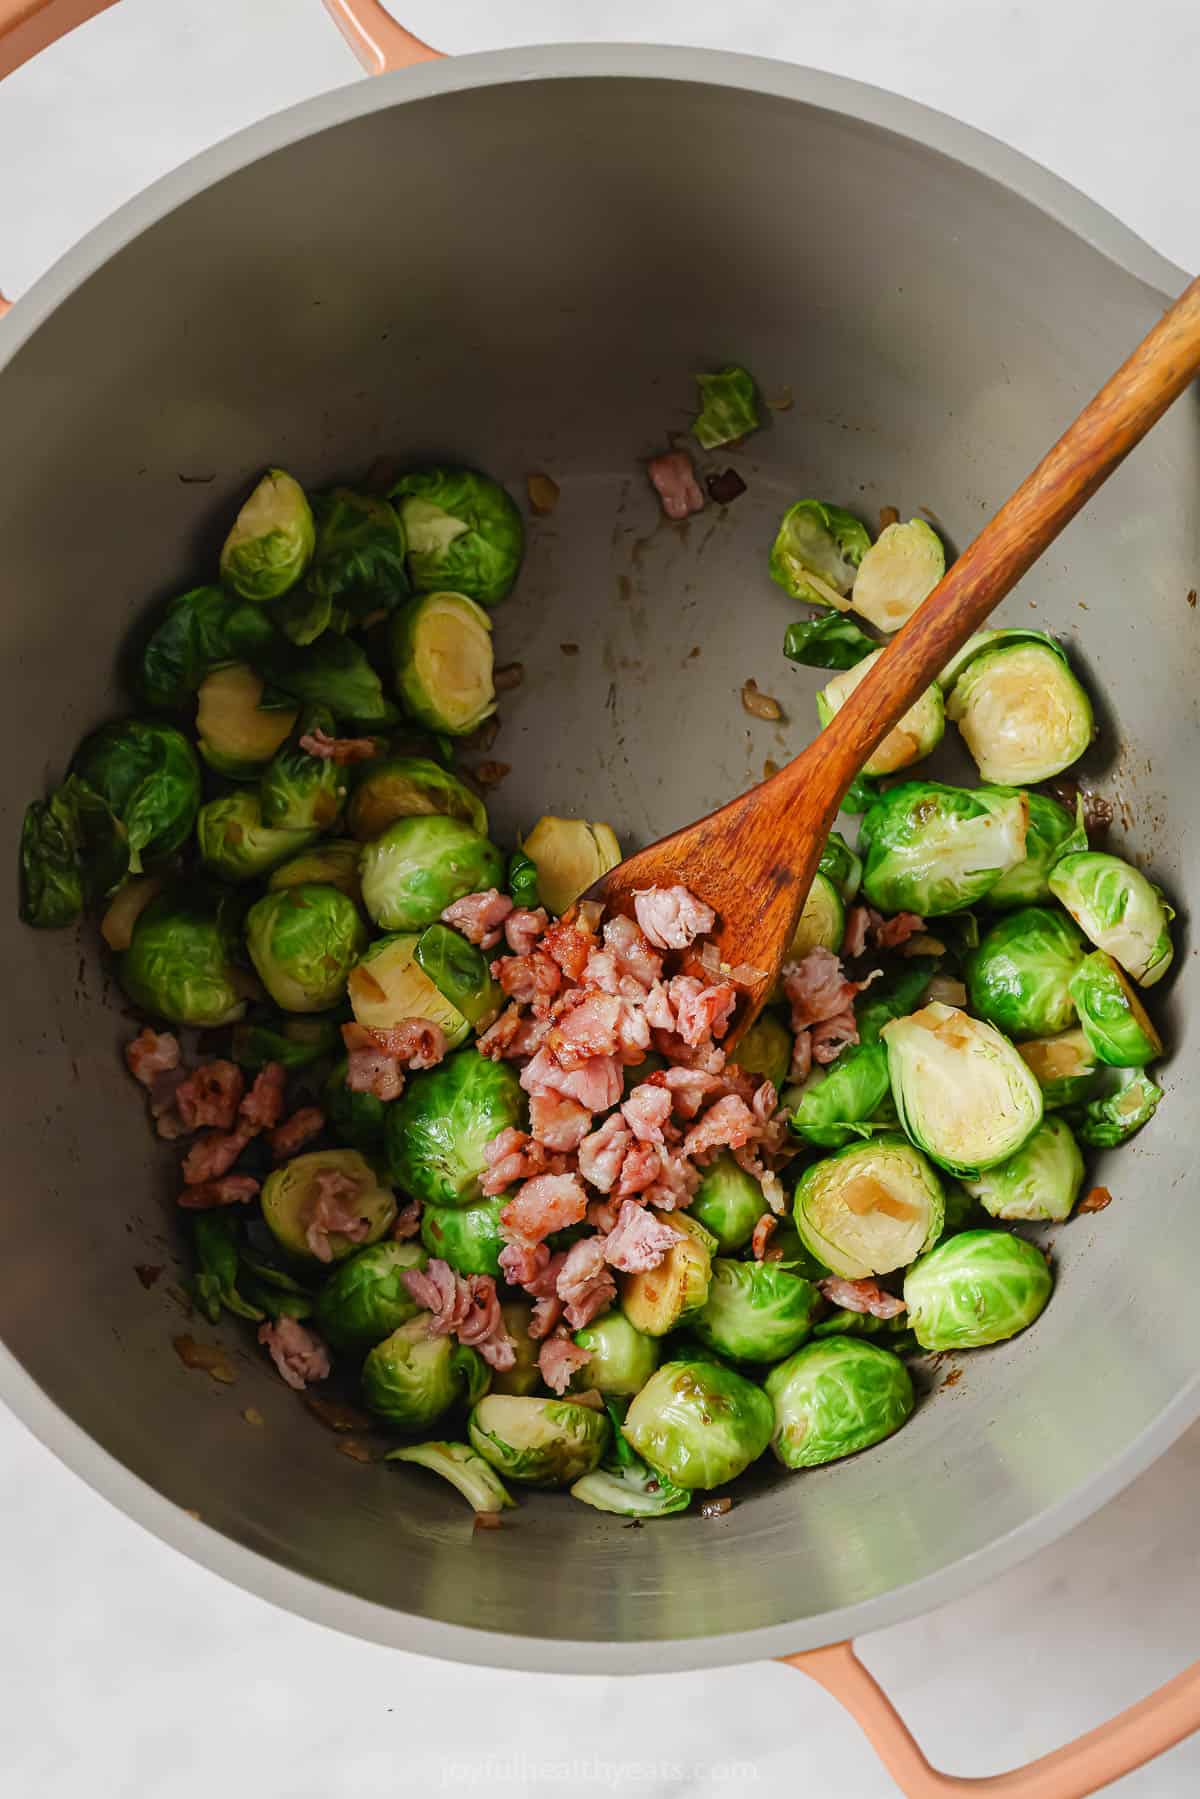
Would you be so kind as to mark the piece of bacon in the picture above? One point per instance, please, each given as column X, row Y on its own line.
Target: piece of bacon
column 558, row 1360
column 726, row 1125
column 816, row 988
column 543, row 1205
column 890, row 933
column 214, row 1154
column 638, row 1241
column 602, row 1153
column 595, row 1084
column 533, row 1266
column 585, row 1286
column 802, row 1056
column 701, row 1012
column 865, row 1296
column 513, row 1156
column 569, row 945
column 854, row 938
column 167, row 1122
column 557, row 1123
column 334, row 1212
column 151, row 1053
column 299, row 1354
column 646, row 1111
column 831, row 1036
column 338, row 749
column 674, row 480
column 689, row 1088
column 417, row 1042
column 640, row 1169
column 479, row 916
column 523, row 926
column 672, row 917
column 676, row 1184
column 531, row 980
column 464, row 1306
column 482, row 1327
column 544, row 1317
column 210, row 1096
column 514, row 1035
column 290, row 1137
column 590, row 1026
column 764, row 1230
column 408, row 1221
column 262, row 1108
column 370, row 1071
column 230, row 1190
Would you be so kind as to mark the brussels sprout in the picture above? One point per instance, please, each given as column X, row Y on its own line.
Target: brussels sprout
column 663, row 1298
column 816, row 552
column 292, row 1196
column 569, row 856
column 1113, row 1018
column 989, row 639
column 898, row 572
column 622, row 1358
column 766, row 1049
column 268, row 1301
column 333, row 863
column 295, row 1043
column 389, row 986
column 148, row 776
column 405, row 787
column 365, row 1298
column 727, row 408
column 234, row 842
column 894, row 997
column 918, row 733
column 1050, row 834
column 842, row 866
column 963, row 1093
column 179, row 964
column 831, row 641
column 787, row 1251
column 755, row 1311
column 540, row 1442
column 822, row 922
column 420, row 865
column 303, row 943
column 468, row 1237
column 699, row 1424
column 189, row 641
column 299, row 791
column 835, row 1397
column 412, row 1379
column 215, row 1284
column 1041, row 1182
column 358, row 1118
column 437, row 1129
column 442, row 656
column 1020, row 976
column 333, row 672
column 1065, row 1067
column 631, row 1490
column 1022, row 714
column 302, row 615
column 889, row 1333
column 358, row 566
column 933, row 849
column 73, row 852
column 870, row 1208
column 1116, row 1117
column 837, row 1105
column 458, row 1463
column 237, row 734
column 464, row 532
column 522, row 879
column 1119, row 910
column 271, row 543
column 728, row 1203
column 460, row 972
column 524, row 1377
column 860, row 796
column 977, row 1288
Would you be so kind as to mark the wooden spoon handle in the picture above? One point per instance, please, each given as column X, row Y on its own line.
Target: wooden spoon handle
column 1135, row 398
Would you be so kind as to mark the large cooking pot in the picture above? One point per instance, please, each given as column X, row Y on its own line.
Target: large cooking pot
column 518, row 260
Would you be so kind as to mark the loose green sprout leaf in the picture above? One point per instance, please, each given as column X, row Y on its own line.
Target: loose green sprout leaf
column 356, row 1118
column 918, row 733
column 699, row 1424
column 365, row 1299
column 189, row 642
column 979, row 1287
column 299, row 791
column 237, row 731
column 303, row 614
column 1113, row 1019
column 464, row 533
column 421, row 865
column 215, row 1285
column 292, row 1203
column 272, row 539
column 295, row 1043
column 870, row 1208
column 830, row 641
column 524, row 1377
column 406, row 787
column 766, row 1049
column 835, row 1397
column 621, row 1357
column 467, row 1237
column 389, row 986
column 148, row 776
column 443, row 662
column 728, row 1202
column 235, row 844
column 1065, row 1067
column 1022, row 714
column 1020, row 976
column 670, row 1295
column 73, row 852
column 179, row 964
column 755, row 1311
column 1119, row 910
column 990, row 639
column 569, row 854
column 458, row 1463
column 412, row 1379
column 333, row 863
column 933, row 849
column 963, row 1093
column 303, row 943
column 332, row 672
column 1116, row 1117
column 460, row 972
column 438, row 1128
column 816, row 552
column 359, row 562
column 522, row 879
column 631, row 1492
column 1051, row 834
column 842, row 866
column 540, row 1442
column 1041, row 1182
column 728, row 409
column 898, row 573
column 895, row 996
column 838, row 1104
column 860, row 796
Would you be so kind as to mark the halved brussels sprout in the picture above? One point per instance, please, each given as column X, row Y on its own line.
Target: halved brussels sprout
column 1065, row 1067
column 895, row 996
column 148, row 776
column 962, row 1091
column 1020, row 976
column 357, row 1118
column 621, row 1357
column 699, row 1424
column 236, row 734
column 1116, row 1117
column 335, row 672
column 838, row 1104
column 333, row 863
column 272, row 539
column 631, row 1490
column 766, row 1049
column 458, row 1463
column 389, row 985
column 755, row 1311
column 460, row 972
column 405, row 787
column 420, row 865
column 293, row 1042
column 933, row 849
column 292, row 1200
column 467, row 1237
column 1119, row 910
column 442, row 655
column 365, row 1298
column 835, row 1397
column 464, row 532
column 412, row 1379
column 179, row 964
column 841, row 865
column 832, row 640
column 569, row 854
column 1113, row 1019
column 1041, row 1182
column 989, row 639
column 663, row 1298
column 524, row 1377
column 73, row 852
column 1022, row 714
column 728, row 1203
column 1050, row 834
column 870, row 1208
column 822, row 921
column 977, row 1288
column 728, row 408
column 816, row 552
column 300, row 792
column 303, row 943
column 234, row 842
column 540, row 1442
column 918, row 733
column 359, row 562
column 898, row 573
column 437, row 1129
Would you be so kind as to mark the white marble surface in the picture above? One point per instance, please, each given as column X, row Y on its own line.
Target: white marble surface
column 127, row 1671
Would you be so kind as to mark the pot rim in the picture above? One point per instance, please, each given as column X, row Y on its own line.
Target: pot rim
column 169, row 1522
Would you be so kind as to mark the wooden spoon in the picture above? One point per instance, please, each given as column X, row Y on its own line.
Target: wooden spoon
column 754, row 859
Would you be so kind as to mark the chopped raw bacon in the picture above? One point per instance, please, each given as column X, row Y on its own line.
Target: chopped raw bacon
column 831, row 1036
column 590, row 1027
column 557, row 1123
column 464, row 1306
column 511, row 1157
column 726, row 1125
column 479, row 916
column 531, row 980
column 298, row 1353
column 370, row 1071
column 585, row 1286
column 151, row 1053
column 210, row 1096
column 602, row 1214
column 595, row 1084
column 640, row 1169
column 262, row 1107
column 570, row 946
column 533, row 1266
column 163, row 1110
column 334, row 1211
column 547, row 1203
column 214, row 1154
column 688, row 1087
column 408, row 1221
column 602, row 1153
column 545, row 1315
column 861, row 1296
column 523, row 927
column 816, row 988
column 513, row 1035
column 289, row 1138
column 802, row 1057
column 338, row 749
column 638, row 1241
column 700, row 1011
column 646, row 1112
column 764, row 1230
column 230, row 1190
column 674, row 480
column 854, row 938
column 672, row 917
column 632, row 955
column 558, row 1360
column 890, row 933
column 677, row 1182
column 418, row 1042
